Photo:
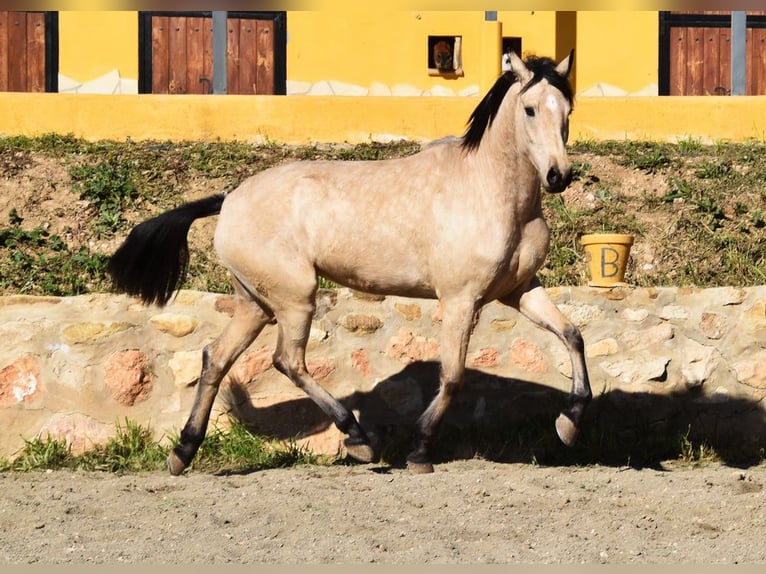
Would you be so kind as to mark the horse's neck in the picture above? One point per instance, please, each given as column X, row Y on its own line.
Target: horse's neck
column 502, row 155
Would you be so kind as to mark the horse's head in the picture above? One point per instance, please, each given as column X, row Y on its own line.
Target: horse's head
column 443, row 57
column 542, row 117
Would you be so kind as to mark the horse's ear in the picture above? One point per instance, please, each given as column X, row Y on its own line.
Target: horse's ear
column 564, row 67
column 519, row 68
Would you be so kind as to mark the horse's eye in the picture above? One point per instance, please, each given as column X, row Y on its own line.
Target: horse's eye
column 530, row 111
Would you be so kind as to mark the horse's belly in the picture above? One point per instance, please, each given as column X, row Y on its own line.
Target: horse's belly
column 374, row 276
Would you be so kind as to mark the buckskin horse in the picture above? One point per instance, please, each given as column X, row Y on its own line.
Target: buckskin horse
column 461, row 221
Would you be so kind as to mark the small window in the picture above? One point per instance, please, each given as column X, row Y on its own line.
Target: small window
column 510, row 44
column 445, row 56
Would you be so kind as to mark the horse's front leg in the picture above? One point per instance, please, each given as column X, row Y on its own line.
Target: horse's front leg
column 457, row 321
column 535, row 304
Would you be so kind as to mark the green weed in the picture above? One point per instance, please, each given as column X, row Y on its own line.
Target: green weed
column 237, row 448
column 702, row 196
column 35, row 262
column 649, row 157
column 133, row 449
column 42, row 453
column 690, row 146
column 695, row 453
column 713, row 169
column 108, row 186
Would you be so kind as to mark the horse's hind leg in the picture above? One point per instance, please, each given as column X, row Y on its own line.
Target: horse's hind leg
column 457, row 321
column 537, row 306
column 247, row 322
column 290, row 360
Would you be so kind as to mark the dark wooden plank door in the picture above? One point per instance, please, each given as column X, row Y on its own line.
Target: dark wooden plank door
column 756, row 57
column 181, row 59
column 695, row 53
column 700, row 61
column 22, row 52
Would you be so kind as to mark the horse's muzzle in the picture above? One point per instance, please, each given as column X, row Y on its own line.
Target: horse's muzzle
column 556, row 182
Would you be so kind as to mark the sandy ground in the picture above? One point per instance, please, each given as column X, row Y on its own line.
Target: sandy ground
column 467, row 512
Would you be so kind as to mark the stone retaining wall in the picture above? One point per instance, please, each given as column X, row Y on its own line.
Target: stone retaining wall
column 75, row 367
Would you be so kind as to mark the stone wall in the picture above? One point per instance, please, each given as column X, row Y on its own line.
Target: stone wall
column 661, row 358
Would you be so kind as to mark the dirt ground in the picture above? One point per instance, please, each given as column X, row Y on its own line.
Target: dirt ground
column 467, row 512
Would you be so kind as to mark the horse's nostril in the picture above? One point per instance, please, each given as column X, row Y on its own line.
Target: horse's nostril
column 553, row 177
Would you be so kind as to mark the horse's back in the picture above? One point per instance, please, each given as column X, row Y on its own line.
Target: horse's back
column 351, row 221
column 409, row 226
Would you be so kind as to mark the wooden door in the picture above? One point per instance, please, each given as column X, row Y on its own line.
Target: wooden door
column 28, row 52
column 178, row 53
column 695, row 53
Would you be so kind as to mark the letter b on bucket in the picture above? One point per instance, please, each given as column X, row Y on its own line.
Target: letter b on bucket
column 607, row 257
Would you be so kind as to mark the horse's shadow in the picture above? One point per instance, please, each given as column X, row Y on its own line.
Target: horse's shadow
column 511, row 420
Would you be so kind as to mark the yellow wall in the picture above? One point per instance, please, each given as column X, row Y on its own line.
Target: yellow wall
column 617, row 48
column 537, row 30
column 362, row 47
column 94, row 43
column 354, row 120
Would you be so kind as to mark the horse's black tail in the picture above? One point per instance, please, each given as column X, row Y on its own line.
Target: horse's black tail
column 153, row 261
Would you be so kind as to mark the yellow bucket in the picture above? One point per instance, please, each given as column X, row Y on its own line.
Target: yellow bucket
column 606, row 255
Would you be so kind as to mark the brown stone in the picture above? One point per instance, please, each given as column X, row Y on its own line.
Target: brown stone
column 80, row 432
column 128, row 376
column 733, row 295
column 366, row 296
column 758, row 310
column 602, row 348
column 186, row 297
column 713, row 325
column 752, row 371
column 408, row 348
column 640, row 339
column 86, row 332
column 528, row 356
column 488, row 357
column 19, row 381
column 360, row 361
column 320, row 368
column 634, row 315
column 618, row 293
column 174, row 324
column 361, row 323
column 502, row 325
column 186, row 367
column 250, row 365
column 411, row 312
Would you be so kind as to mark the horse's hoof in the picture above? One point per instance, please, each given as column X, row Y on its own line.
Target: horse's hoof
column 175, row 464
column 418, row 463
column 566, row 430
column 420, row 467
column 360, row 451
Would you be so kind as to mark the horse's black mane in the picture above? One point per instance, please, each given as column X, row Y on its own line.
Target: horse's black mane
column 542, row 68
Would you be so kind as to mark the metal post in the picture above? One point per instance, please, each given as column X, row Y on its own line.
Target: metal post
column 220, row 73
column 738, row 54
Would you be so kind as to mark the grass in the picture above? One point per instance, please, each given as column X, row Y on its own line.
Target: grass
column 698, row 211
column 40, row 263
column 133, row 449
